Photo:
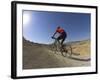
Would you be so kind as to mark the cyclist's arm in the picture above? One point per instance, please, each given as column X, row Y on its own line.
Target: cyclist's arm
column 54, row 34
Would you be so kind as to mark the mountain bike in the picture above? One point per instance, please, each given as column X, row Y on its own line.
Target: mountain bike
column 65, row 50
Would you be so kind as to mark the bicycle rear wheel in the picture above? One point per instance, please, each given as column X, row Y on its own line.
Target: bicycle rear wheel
column 63, row 50
column 66, row 51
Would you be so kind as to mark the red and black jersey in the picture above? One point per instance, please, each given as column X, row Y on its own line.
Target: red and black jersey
column 60, row 30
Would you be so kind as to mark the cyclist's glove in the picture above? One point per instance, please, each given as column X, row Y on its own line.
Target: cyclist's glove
column 52, row 37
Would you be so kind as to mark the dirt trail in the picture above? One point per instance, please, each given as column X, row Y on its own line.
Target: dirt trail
column 40, row 56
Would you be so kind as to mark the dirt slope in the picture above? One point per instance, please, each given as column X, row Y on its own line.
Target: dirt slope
column 40, row 56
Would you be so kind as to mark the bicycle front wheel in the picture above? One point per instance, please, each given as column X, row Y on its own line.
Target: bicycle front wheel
column 68, row 50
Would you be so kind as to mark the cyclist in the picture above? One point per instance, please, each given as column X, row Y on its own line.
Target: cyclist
column 62, row 35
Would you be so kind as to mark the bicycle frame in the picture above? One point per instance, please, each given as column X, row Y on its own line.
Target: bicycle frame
column 68, row 49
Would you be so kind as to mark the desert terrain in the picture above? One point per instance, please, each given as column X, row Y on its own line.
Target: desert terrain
column 36, row 56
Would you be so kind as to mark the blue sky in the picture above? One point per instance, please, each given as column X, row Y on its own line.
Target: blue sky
column 41, row 25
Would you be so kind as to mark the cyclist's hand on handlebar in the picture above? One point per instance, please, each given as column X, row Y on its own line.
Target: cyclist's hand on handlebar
column 52, row 37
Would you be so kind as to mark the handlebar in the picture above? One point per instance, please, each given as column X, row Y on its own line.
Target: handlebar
column 53, row 37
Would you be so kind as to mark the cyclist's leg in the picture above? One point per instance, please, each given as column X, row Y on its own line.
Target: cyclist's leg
column 59, row 42
column 62, row 45
column 58, row 39
column 62, row 41
column 63, row 37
